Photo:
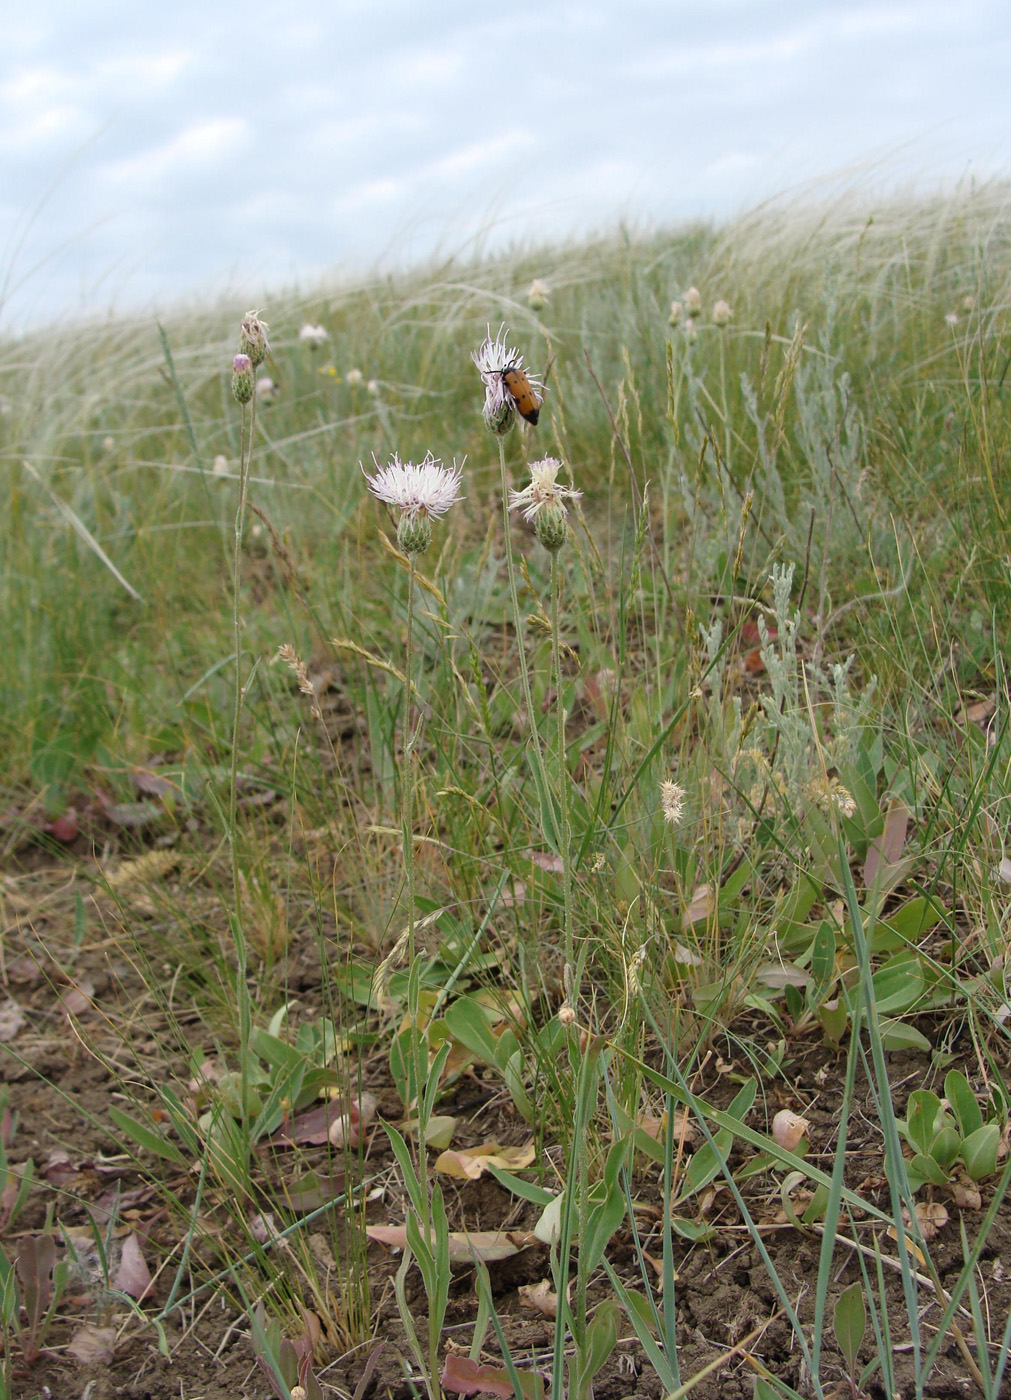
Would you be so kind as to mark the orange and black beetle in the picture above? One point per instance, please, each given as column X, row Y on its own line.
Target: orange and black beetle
column 521, row 391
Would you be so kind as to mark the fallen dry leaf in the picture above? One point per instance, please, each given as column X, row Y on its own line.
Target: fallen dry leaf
column 133, row 1277
column 965, row 1195
column 701, row 905
column 547, row 861
column 488, row 1245
column 12, row 1018
column 93, row 1345
column 539, row 1296
column 932, row 1217
column 475, row 1161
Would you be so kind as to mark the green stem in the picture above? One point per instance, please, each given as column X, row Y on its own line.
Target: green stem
column 418, row 1040
column 514, row 598
column 565, row 835
column 238, row 933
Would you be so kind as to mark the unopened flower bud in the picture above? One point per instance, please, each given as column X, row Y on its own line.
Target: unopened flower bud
column 498, row 414
column 243, row 381
column 566, row 1014
column 253, row 338
column 414, row 533
column 693, row 302
column 677, row 311
column 550, row 527
column 722, row 313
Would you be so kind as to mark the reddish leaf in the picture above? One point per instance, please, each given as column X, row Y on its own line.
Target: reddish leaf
column 329, row 1122
column 887, row 848
column 64, row 828
column 133, row 1276
column 465, row 1377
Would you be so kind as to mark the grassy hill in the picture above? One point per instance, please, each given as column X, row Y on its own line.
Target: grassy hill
column 701, row 816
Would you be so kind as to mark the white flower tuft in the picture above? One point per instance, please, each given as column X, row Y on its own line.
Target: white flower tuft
column 416, row 488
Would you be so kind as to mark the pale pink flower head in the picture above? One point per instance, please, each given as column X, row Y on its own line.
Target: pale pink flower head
column 493, row 358
column 420, row 491
column 543, row 491
column 416, row 488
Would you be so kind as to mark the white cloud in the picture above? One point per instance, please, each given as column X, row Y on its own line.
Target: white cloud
column 198, row 147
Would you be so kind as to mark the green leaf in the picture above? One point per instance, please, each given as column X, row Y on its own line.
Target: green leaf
column 551, row 822
column 944, row 1148
column 148, row 1138
column 924, row 1168
column 850, row 1322
column 524, row 1189
column 897, row 1035
column 468, row 1023
column 601, row 1338
column 922, row 1113
column 963, row 1102
column 822, row 962
column 979, row 1151
column 607, row 1214
column 900, row 983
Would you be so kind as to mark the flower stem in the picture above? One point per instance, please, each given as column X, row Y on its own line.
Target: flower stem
column 565, row 833
column 238, row 932
column 517, row 624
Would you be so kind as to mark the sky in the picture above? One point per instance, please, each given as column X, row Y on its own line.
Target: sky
column 150, row 153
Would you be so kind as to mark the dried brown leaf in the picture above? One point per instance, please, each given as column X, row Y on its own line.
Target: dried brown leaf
column 93, row 1345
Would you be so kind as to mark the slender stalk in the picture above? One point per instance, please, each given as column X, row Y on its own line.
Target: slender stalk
column 418, row 1047
column 514, row 598
column 238, row 933
column 726, row 407
column 565, row 833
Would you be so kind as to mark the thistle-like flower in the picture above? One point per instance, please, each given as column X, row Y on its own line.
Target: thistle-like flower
column 677, row 311
column 722, row 313
column 253, row 338
column 543, row 491
column 421, row 491
column 543, row 503
column 494, row 359
column 672, row 801
column 693, row 301
column 313, row 335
